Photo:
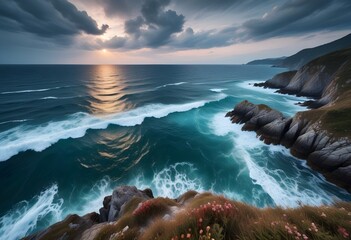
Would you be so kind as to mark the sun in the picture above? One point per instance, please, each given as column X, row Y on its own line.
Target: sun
column 104, row 50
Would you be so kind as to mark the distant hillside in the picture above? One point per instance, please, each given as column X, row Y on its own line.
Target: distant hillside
column 306, row 55
column 267, row 61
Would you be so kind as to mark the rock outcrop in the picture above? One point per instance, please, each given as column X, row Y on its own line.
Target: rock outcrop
column 306, row 139
column 90, row 225
column 196, row 216
column 120, row 197
column 320, row 79
column 280, row 80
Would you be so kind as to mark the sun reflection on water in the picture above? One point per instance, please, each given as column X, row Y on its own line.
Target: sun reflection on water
column 107, row 90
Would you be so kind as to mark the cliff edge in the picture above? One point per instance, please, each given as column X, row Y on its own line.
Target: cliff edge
column 136, row 214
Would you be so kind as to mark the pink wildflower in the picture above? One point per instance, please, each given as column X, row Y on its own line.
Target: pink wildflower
column 343, row 232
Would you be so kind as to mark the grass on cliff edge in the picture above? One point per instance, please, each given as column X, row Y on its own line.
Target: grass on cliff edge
column 336, row 117
column 207, row 216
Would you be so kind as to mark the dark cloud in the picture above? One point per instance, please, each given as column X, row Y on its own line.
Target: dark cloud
column 153, row 28
column 205, row 39
column 156, row 26
column 297, row 17
column 121, row 8
column 293, row 17
column 128, row 8
column 49, row 18
column 80, row 19
column 162, row 23
column 216, row 5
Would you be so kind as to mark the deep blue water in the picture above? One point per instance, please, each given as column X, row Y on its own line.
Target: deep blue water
column 69, row 134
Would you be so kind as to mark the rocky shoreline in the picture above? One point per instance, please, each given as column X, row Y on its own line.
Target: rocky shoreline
column 321, row 135
column 306, row 140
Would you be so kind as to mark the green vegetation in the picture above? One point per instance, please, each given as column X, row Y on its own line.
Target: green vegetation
column 336, row 116
column 208, row 216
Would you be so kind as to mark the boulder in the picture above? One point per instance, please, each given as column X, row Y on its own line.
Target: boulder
column 105, row 209
column 121, row 195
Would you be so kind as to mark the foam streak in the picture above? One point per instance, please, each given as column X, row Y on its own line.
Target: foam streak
column 40, row 137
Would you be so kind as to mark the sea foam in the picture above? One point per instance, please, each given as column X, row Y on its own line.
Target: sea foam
column 24, row 218
column 38, row 138
column 34, row 90
column 218, row 90
column 171, row 181
column 286, row 191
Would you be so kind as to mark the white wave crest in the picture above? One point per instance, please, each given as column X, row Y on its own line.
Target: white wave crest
column 15, row 121
column 218, row 90
column 40, row 137
column 50, row 97
column 33, row 90
column 171, row 84
column 23, row 219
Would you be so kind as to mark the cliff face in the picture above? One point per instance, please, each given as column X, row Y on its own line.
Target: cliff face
column 319, row 78
column 305, row 138
column 280, row 80
column 199, row 216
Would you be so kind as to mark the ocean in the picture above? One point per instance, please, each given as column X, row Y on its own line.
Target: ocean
column 69, row 134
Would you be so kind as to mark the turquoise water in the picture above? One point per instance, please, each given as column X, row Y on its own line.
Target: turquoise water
column 69, row 134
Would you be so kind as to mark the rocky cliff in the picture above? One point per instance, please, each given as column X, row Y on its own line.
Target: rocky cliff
column 136, row 214
column 322, row 78
column 305, row 138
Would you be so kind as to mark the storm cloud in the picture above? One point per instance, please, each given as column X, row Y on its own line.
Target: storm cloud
column 152, row 29
column 298, row 17
column 47, row 18
column 170, row 25
column 159, row 26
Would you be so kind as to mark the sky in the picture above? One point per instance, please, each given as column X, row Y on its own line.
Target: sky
column 165, row 31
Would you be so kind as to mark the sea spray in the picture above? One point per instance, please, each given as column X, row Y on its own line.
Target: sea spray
column 25, row 216
column 285, row 191
column 171, row 181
